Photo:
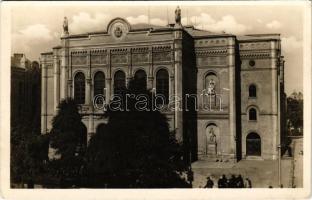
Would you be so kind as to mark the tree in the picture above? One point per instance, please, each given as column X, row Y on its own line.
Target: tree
column 28, row 152
column 295, row 111
column 68, row 137
column 135, row 149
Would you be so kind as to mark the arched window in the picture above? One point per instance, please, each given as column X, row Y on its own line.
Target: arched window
column 253, row 144
column 252, row 114
column 252, row 91
column 79, row 88
column 162, row 84
column 99, row 85
column 140, row 78
column 211, row 83
column 119, row 81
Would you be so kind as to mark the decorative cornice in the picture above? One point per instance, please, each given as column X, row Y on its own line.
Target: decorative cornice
column 140, row 50
column 79, row 53
column 98, row 51
column 255, row 54
column 161, row 48
column 119, row 51
column 211, row 52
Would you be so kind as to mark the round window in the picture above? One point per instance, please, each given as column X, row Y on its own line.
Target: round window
column 252, row 63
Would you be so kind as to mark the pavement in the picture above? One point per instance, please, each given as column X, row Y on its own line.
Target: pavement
column 262, row 173
column 298, row 162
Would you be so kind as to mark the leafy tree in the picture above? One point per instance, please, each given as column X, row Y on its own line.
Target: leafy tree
column 295, row 110
column 135, row 149
column 68, row 137
column 28, row 152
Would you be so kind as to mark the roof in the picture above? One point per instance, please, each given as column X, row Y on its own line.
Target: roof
column 202, row 33
column 255, row 37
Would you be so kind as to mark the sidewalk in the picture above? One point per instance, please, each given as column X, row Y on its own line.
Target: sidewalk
column 261, row 173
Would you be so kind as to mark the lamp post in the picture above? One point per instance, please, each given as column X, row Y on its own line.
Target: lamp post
column 279, row 164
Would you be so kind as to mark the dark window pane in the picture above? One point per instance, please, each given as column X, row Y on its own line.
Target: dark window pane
column 162, row 84
column 252, row 114
column 252, row 91
column 119, row 81
column 79, row 88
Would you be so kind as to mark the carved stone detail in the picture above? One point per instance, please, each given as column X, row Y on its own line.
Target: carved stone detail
column 218, row 60
column 119, row 58
column 162, row 56
column 98, row 59
column 140, row 57
column 79, row 60
column 211, row 52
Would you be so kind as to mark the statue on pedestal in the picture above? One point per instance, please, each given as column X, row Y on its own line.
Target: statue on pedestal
column 178, row 15
column 211, row 87
column 65, row 26
column 212, row 136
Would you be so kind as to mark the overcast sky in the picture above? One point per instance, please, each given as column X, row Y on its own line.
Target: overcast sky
column 37, row 29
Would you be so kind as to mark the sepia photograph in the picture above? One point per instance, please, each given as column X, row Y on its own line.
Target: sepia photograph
column 207, row 96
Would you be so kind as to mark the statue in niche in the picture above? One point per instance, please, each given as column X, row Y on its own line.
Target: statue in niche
column 211, row 87
column 178, row 15
column 212, row 136
column 65, row 25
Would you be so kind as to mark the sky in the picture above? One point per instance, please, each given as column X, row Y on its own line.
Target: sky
column 37, row 28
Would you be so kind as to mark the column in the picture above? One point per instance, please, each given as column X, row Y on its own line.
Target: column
column 56, row 87
column 178, row 84
column 232, row 95
column 150, row 77
column 108, row 76
column 108, row 85
column 64, row 69
column 90, row 127
column 63, row 75
column 88, row 92
column 43, row 96
column 274, row 99
column 88, row 82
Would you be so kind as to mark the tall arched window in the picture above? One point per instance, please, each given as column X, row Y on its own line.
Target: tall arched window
column 252, row 91
column 99, row 83
column 253, row 144
column 79, row 88
column 119, row 81
column 162, row 84
column 98, row 86
column 252, row 114
column 140, row 78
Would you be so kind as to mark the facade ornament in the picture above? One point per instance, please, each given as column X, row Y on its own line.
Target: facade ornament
column 65, row 26
column 212, row 136
column 211, row 87
column 178, row 15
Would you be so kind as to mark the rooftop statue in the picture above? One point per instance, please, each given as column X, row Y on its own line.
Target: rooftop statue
column 65, row 26
column 178, row 15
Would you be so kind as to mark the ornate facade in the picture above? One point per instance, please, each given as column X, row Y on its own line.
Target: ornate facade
column 238, row 82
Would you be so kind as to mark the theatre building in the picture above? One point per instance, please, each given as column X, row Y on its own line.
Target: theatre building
column 238, row 82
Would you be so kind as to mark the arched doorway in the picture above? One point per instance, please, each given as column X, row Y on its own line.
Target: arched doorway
column 253, row 144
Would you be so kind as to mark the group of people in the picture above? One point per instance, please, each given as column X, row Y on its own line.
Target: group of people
column 232, row 182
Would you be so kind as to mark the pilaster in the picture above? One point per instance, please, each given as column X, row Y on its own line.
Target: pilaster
column 232, row 95
column 178, row 115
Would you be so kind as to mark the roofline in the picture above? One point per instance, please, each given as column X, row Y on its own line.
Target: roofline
column 47, row 53
column 258, row 39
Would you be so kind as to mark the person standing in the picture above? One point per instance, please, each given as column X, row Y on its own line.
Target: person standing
column 209, row 183
column 222, row 182
column 247, row 183
column 239, row 181
column 232, row 181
